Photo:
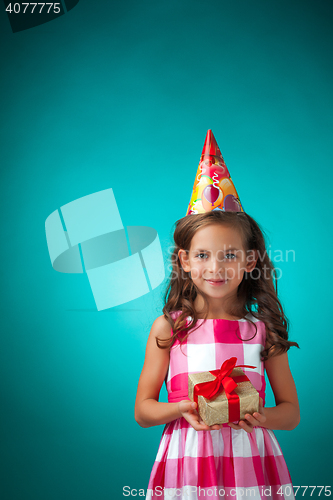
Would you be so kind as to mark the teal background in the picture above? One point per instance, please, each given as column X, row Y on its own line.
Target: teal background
column 121, row 95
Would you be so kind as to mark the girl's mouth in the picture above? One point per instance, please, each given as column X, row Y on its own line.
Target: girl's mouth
column 216, row 282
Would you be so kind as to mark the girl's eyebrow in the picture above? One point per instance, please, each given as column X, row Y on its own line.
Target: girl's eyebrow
column 226, row 250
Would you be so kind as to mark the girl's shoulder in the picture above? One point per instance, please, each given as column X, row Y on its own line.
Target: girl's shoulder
column 161, row 328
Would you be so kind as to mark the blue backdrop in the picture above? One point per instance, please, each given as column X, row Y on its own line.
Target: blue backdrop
column 120, row 95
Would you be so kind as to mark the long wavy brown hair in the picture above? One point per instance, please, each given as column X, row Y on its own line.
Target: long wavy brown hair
column 256, row 294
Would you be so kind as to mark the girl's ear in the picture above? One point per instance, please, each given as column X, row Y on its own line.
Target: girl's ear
column 183, row 258
column 252, row 257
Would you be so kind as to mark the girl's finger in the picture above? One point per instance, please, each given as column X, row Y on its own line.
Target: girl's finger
column 251, row 419
column 261, row 407
column 190, row 406
column 234, row 426
column 198, row 425
column 256, row 419
column 211, row 427
column 260, row 417
column 201, row 427
column 246, row 426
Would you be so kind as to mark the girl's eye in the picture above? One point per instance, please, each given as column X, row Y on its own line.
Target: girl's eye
column 201, row 255
column 230, row 256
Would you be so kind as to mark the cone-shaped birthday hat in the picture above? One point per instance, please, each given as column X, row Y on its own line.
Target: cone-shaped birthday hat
column 213, row 188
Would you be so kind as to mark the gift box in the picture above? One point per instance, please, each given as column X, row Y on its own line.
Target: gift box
column 223, row 395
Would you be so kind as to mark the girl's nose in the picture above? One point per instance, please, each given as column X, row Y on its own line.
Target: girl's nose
column 215, row 266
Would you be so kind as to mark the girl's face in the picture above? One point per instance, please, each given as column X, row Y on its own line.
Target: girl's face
column 217, row 261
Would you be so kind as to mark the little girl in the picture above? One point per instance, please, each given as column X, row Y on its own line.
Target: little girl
column 220, row 302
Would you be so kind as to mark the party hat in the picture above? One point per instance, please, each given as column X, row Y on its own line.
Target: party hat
column 213, row 188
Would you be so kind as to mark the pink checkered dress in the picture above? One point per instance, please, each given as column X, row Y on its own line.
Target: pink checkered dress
column 193, row 465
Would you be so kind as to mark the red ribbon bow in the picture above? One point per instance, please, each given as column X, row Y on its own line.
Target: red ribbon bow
column 212, row 389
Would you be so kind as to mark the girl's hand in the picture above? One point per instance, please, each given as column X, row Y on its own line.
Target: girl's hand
column 188, row 411
column 251, row 420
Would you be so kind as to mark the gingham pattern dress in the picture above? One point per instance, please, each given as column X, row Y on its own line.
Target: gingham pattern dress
column 192, row 465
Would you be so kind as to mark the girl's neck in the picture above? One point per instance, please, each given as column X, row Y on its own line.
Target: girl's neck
column 217, row 312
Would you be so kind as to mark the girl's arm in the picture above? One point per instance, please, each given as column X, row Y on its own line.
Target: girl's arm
column 285, row 415
column 148, row 410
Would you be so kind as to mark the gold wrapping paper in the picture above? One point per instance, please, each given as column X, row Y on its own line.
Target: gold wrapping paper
column 216, row 411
